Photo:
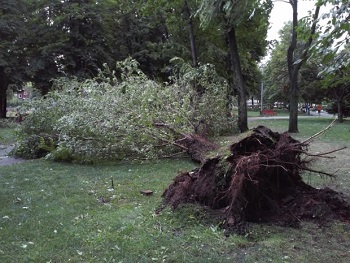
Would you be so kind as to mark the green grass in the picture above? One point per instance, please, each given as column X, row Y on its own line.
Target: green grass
column 7, row 135
column 337, row 137
column 309, row 126
column 54, row 212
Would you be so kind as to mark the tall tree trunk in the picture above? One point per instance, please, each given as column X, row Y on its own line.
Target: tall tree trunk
column 340, row 112
column 229, row 95
column 293, row 73
column 293, row 106
column 340, row 95
column 3, row 96
column 238, row 81
column 191, row 34
column 295, row 64
column 3, row 103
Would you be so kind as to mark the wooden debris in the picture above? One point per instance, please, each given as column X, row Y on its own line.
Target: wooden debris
column 146, row 192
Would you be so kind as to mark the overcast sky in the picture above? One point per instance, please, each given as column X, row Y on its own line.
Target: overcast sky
column 282, row 12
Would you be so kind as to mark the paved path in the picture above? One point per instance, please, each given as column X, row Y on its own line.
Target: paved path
column 314, row 115
column 5, row 159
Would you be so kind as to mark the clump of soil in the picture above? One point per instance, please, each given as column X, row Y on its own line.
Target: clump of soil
column 258, row 181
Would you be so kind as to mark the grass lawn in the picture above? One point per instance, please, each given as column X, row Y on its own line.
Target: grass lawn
column 7, row 133
column 334, row 138
column 340, row 132
column 52, row 212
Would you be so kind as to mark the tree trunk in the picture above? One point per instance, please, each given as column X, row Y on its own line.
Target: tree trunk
column 293, row 74
column 293, row 107
column 3, row 96
column 238, row 81
column 294, row 65
column 191, row 34
column 230, row 94
column 340, row 112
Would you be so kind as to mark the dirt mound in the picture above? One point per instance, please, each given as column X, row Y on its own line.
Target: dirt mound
column 258, row 181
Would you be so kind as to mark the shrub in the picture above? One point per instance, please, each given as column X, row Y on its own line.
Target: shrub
column 35, row 146
column 7, row 123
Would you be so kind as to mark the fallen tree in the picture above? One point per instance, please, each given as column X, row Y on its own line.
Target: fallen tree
column 125, row 116
column 258, row 180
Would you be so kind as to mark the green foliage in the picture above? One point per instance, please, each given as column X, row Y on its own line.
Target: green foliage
column 114, row 118
column 276, row 70
column 62, row 154
column 35, row 146
column 334, row 34
column 72, row 38
column 6, row 123
column 233, row 11
column 336, row 83
column 276, row 73
column 344, row 107
column 11, row 35
column 12, row 59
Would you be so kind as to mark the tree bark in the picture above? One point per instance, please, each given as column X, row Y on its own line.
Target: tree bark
column 191, row 35
column 340, row 112
column 3, row 96
column 293, row 73
column 294, row 65
column 238, row 81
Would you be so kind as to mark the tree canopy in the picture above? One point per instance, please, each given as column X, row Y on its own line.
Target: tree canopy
column 12, row 55
column 43, row 40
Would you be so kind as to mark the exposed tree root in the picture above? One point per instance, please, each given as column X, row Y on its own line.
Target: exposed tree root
column 259, row 180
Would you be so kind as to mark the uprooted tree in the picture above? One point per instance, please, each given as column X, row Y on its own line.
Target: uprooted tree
column 258, row 179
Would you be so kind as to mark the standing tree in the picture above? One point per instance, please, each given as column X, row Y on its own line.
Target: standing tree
column 70, row 37
column 333, row 47
column 85, row 46
column 232, row 15
column 277, row 78
column 170, row 12
column 12, row 62
column 336, row 82
column 335, row 34
column 188, row 16
column 294, row 63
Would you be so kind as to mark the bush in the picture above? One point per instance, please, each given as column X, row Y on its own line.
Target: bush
column 7, row 123
column 35, row 146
